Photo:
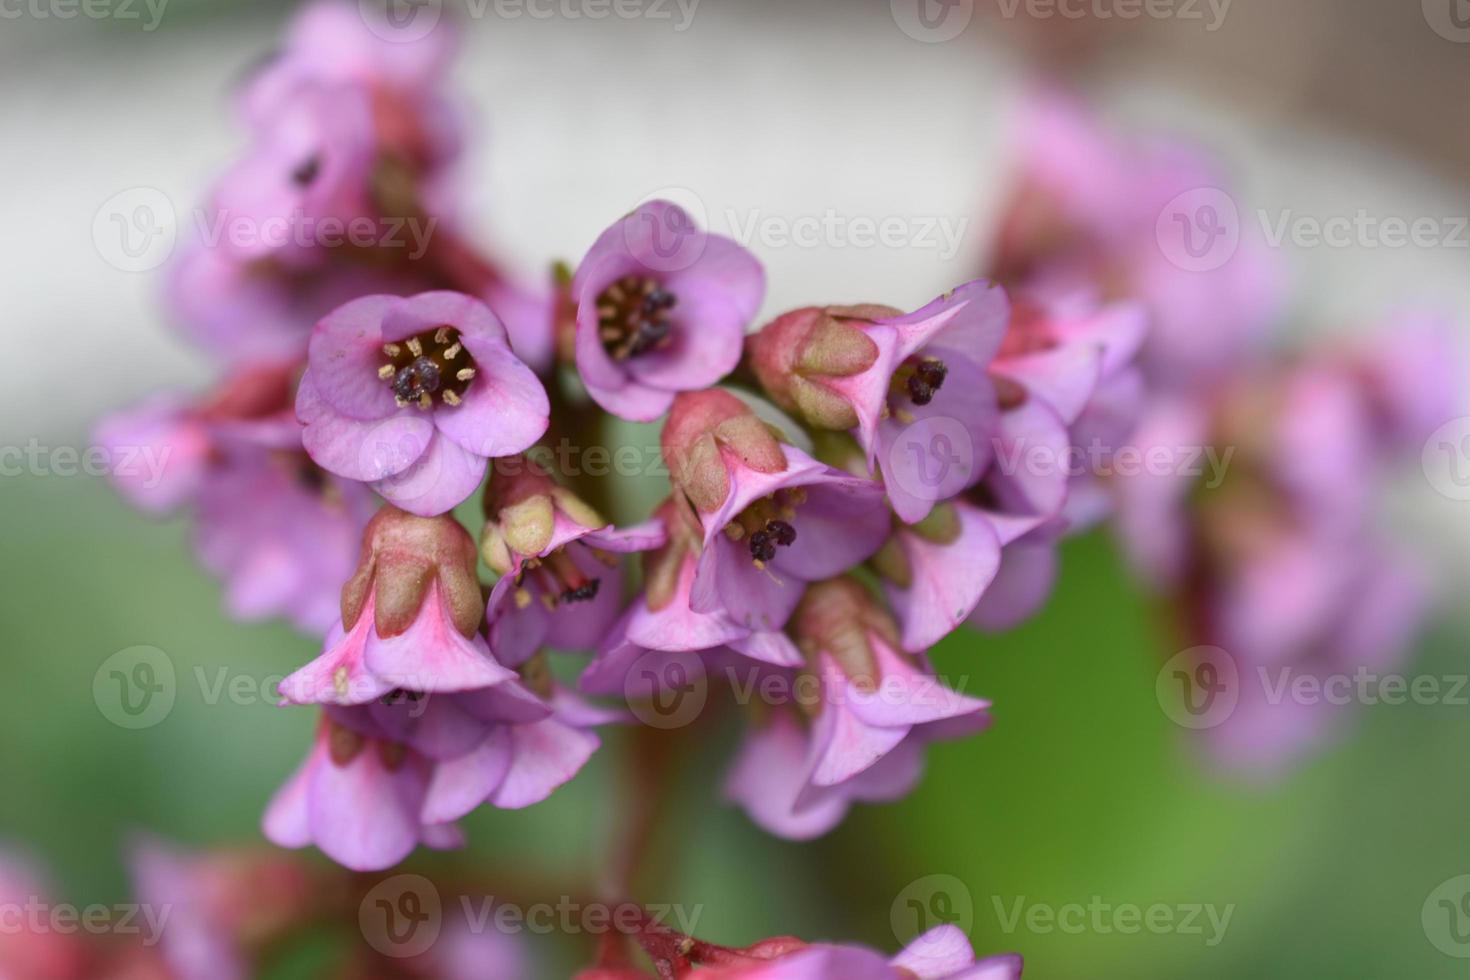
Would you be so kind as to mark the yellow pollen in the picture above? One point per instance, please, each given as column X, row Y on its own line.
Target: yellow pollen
column 392, row 350
column 415, row 347
column 339, row 681
column 465, row 374
column 450, row 398
column 385, row 372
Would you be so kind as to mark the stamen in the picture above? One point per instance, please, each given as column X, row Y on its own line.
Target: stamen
column 415, row 347
column 451, row 399
column 464, row 374
column 425, row 370
column 386, row 371
column 441, row 336
column 633, row 317
column 392, row 350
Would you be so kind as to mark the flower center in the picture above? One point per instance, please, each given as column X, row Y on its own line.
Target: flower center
column 633, row 317
column 428, row 364
column 918, row 379
column 557, row 579
column 765, row 525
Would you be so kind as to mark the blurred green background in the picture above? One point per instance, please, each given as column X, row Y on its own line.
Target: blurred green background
column 1083, row 788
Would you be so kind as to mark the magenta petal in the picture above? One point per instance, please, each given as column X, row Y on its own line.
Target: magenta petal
column 366, row 451
column 440, row 480
column 460, row 785
column 842, row 523
column 436, row 727
column 971, row 319
column 843, row 743
column 505, row 408
column 906, row 695
column 574, row 627
column 728, row 583
column 433, row 656
column 364, row 816
column 516, row 633
column 938, row 954
column 287, row 821
column 728, row 269
column 545, row 755
column 1032, row 460
column 948, row 579
column 1028, row 571
column 426, row 312
column 345, row 352
column 626, row 540
column 1065, row 377
column 708, row 336
column 632, row 401
column 770, row 647
column 157, row 455
column 769, row 772
column 339, row 675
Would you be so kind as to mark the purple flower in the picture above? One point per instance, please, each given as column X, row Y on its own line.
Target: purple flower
column 414, row 395
column 662, row 308
column 560, row 581
column 410, row 619
column 880, row 373
column 872, row 708
column 942, row 953
column 773, row 518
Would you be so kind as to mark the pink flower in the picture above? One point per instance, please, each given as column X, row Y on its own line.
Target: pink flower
column 873, row 709
column 662, row 308
column 410, row 619
column 414, row 395
column 879, row 373
column 943, row 953
column 773, row 518
column 268, row 522
column 29, row 952
column 560, row 581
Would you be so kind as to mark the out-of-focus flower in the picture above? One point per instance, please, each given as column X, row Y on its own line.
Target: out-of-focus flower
column 871, row 708
column 1088, row 214
column 661, row 307
column 271, row 524
column 876, row 371
column 414, row 395
column 560, row 579
column 26, row 951
column 773, row 517
column 223, row 905
column 943, row 953
column 410, row 619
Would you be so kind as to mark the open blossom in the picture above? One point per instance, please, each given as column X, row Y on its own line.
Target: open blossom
column 411, row 615
column 414, row 395
column 773, row 518
column 277, row 530
column 878, row 372
column 661, row 307
column 942, row 953
column 870, row 710
column 560, row 579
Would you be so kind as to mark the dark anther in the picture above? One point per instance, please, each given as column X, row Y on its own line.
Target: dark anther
column 585, row 592
column 784, row 533
column 306, row 171
column 928, row 377
column 762, row 548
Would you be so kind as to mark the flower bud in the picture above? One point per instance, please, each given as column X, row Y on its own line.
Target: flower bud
column 840, row 617
column 402, row 556
column 702, row 428
column 794, row 353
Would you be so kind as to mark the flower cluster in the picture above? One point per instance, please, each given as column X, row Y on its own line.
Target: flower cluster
column 848, row 483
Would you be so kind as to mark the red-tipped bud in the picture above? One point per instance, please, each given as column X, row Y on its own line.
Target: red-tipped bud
column 522, row 502
column 793, row 354
column 838, row 617
column 402, row 555
column 703, row 428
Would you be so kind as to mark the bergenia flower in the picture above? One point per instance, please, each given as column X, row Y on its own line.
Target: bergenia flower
column 879, row 372
column 560, row 579
column 357, row 797
column 943, row 953
column 415, row 395
column 410, row 619
column 661, row 307
column 662, row 617
column 773, row 518
column 223, row 905
column 875, row 707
